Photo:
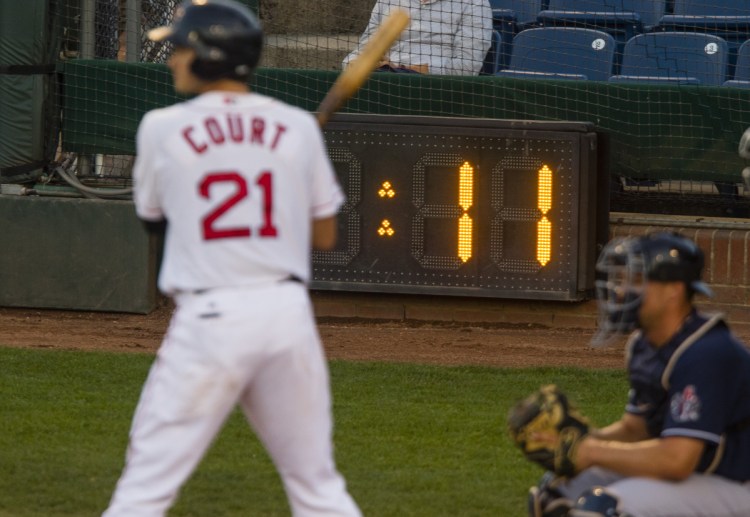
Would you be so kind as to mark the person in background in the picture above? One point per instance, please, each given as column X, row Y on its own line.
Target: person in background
column 444, row 37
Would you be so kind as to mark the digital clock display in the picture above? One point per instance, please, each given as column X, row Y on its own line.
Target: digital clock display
column 469, row 207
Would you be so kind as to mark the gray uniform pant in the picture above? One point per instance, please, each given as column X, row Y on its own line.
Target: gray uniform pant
column 698, row 496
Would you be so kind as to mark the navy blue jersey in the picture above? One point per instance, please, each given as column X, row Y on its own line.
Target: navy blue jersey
column 697, row 386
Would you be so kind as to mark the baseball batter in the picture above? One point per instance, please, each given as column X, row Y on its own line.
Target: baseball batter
column 244, row 186
column 682, row 448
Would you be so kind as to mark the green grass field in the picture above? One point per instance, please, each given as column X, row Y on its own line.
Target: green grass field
column 411, row 440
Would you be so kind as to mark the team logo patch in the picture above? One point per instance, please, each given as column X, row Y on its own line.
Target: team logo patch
column 686, row 406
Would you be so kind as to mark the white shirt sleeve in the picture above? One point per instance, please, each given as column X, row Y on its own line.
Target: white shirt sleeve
column 472, row 40
column 145, row 182
column 375, row 19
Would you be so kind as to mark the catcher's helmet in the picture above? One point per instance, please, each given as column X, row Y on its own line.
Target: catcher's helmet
column 226, row 36
column 626, row 264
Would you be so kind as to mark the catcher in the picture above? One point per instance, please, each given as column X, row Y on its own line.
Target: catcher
column 682, row 447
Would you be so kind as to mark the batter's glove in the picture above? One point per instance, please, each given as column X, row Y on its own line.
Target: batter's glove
column 548, row 429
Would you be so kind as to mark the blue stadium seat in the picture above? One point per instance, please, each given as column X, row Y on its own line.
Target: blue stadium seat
column 509, row 17
column 729, row 19
column 523, row 12
column 711, row 14
column 621, row 18
column 742, row 70
column 561, row 53
column 499, row 54
column 674, row 57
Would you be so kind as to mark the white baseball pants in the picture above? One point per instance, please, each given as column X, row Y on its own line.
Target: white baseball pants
column 256, row 347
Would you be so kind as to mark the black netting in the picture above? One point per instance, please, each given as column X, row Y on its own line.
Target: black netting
column 675, row 111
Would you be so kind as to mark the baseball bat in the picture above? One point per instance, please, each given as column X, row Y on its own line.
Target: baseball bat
column 357, row 72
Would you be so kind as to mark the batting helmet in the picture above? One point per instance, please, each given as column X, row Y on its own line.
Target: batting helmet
column 226, row 36
column 626, row 264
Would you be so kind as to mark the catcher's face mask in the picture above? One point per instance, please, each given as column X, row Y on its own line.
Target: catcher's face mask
column 619, row 289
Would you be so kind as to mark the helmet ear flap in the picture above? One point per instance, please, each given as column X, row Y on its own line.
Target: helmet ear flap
column 202, row 69
column 234, row 56
column 210, row 70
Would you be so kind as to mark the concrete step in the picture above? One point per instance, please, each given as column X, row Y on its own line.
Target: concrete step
column 324, row 16
column 312, row 51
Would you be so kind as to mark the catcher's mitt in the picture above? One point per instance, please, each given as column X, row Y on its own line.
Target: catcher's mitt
column 548, row 429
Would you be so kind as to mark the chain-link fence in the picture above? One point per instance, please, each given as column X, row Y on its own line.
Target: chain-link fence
column 112, row 30
column 100, row 29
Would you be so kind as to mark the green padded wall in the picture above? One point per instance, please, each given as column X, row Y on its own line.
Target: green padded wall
column 24, row 36
column 104, row 102
column 78, row 254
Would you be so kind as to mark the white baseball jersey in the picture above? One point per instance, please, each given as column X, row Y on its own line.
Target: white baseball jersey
column 238, row 177
column 231, row 173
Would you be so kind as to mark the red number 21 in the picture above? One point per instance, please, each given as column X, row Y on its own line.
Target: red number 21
column 211, row 229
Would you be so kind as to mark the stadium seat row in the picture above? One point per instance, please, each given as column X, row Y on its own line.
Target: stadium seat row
column 646, row 14
column 613, row 27
column 656, row 57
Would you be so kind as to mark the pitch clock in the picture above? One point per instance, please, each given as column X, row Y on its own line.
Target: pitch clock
column 469, row 207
